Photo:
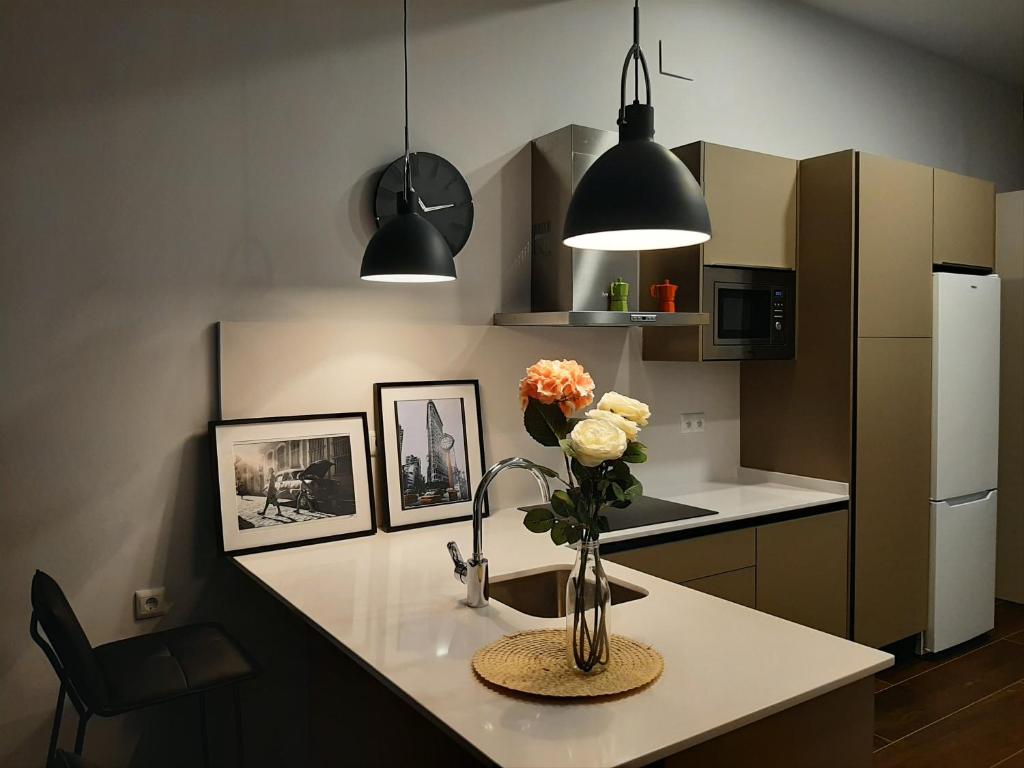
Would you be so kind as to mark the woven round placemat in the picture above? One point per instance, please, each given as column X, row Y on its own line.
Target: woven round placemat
column 535, row 662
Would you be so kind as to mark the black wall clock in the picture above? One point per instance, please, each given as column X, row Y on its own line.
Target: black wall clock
column 445, row 199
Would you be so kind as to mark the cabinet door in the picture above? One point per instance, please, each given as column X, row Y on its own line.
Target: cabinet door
column 965, row 220
column 734, row 586
column 695, row 558
column 895, row 254
column 802, row 570
column 892, row 481
column 752, row 201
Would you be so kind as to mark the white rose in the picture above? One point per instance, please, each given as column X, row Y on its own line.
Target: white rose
column 627, row 426
column 597, row 440
column 626, row 407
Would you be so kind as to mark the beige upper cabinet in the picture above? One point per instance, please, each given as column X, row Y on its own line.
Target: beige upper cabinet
column 895, row 258
column 752, row 199
column 964, row 224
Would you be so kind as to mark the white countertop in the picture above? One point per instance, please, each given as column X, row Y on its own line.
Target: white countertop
column 754, row 493
column 391, row 601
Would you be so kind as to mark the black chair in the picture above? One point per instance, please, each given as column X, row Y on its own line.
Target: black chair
column 130, row 674
column 64, row 759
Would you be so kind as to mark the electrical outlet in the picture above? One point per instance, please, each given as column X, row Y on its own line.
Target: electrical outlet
column 692, row 422
column 150, row 603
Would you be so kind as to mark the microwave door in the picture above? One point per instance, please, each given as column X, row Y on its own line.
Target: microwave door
column 743, row 314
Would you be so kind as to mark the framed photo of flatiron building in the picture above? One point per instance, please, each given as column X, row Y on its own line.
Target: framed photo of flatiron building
column 288, row 481
column 430, row 449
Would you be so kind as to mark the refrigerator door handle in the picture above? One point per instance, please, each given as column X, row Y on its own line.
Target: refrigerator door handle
column 970, row 498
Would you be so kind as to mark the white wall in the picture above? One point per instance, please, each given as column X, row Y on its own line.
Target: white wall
column 164, row 165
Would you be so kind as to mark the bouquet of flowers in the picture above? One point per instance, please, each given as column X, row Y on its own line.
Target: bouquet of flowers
column 598, row 448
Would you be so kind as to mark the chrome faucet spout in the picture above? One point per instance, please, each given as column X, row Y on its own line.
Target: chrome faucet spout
column 474, row 572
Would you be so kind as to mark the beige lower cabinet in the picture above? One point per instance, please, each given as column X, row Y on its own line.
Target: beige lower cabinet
column 802, row 571
column 735, row 586
column 796, row 569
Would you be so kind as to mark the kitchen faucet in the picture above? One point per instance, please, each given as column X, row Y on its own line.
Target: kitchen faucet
column 474, row 573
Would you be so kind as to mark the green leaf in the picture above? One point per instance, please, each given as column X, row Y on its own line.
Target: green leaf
column 559, row 532
column 539, row 520
column 562, row 504
column 573, row 534
column 539, row 422
column 602, row 524
column 636, row 453
column 617, row 492
column 634, row 491
column 582, row 472
column 566, row 445
column 619, row 470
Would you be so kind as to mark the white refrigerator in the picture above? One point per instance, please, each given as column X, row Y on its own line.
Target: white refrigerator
column 965, row 443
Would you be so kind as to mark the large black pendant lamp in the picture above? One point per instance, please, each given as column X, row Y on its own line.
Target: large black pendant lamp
column 637, row 196
column 407, row 248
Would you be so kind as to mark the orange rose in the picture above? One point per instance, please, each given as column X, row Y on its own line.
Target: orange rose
column 564, row 382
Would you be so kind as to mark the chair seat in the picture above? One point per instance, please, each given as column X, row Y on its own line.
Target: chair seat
column 150, row 669
column 62, row 759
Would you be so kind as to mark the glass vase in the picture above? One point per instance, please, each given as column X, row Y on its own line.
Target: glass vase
column 587, row 599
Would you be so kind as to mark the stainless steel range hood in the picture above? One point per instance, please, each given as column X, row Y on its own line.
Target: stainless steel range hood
column 569, row 286
column 592, row 319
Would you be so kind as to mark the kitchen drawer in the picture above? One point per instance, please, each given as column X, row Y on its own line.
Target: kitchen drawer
column 695, row 558
column 734, row 586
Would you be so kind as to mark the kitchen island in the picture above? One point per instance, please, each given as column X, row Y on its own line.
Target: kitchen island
column 390, row 602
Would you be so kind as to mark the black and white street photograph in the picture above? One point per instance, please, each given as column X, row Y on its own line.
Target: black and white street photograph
column 293, row 481
column 287, row 480
column 432, row 446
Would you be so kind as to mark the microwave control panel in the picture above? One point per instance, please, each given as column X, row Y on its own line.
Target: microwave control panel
column 778, row 318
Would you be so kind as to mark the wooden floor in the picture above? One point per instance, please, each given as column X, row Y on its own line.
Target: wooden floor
column 963, row 708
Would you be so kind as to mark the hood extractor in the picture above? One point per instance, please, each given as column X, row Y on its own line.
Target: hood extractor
column 570, row 286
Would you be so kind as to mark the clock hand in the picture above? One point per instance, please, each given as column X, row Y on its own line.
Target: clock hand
column 429, row 208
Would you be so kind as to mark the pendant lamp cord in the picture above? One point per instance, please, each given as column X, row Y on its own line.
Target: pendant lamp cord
column 639, row 61
column 405, row 52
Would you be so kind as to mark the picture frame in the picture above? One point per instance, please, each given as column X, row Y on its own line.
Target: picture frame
column 430, row 451
column 310, row 474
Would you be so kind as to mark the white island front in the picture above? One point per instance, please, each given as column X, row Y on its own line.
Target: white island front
column 391, row 602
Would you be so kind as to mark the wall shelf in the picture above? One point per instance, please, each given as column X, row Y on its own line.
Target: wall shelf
column 596, row 319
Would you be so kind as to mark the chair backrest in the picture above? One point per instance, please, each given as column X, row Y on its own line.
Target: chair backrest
column 68, row 640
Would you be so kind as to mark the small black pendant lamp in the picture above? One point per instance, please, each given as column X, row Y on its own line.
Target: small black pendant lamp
column 408, row 248
column 637, row 196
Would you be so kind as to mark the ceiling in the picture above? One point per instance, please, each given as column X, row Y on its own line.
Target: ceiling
column 983, row 35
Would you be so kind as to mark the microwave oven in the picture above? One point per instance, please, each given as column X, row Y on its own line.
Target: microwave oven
column 752, row 314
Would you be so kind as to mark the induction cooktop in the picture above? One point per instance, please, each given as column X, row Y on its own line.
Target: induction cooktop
column 645, row 511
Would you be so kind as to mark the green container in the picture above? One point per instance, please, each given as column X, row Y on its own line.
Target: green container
column 618, row 296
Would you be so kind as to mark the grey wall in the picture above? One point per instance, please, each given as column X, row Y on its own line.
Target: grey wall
column 164, row 165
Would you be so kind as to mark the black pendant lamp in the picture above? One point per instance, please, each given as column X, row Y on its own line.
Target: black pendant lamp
column 637, row 196
column 407, row 248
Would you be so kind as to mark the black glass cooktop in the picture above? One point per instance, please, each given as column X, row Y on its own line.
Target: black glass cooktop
column 645, row 511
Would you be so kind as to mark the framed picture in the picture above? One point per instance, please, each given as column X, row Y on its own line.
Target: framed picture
column 430, row 445
column 292, row 480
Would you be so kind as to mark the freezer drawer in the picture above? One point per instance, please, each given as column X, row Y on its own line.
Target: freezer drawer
column 962, row 583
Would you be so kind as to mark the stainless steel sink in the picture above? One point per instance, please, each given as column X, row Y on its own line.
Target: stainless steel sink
column 542, row 593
